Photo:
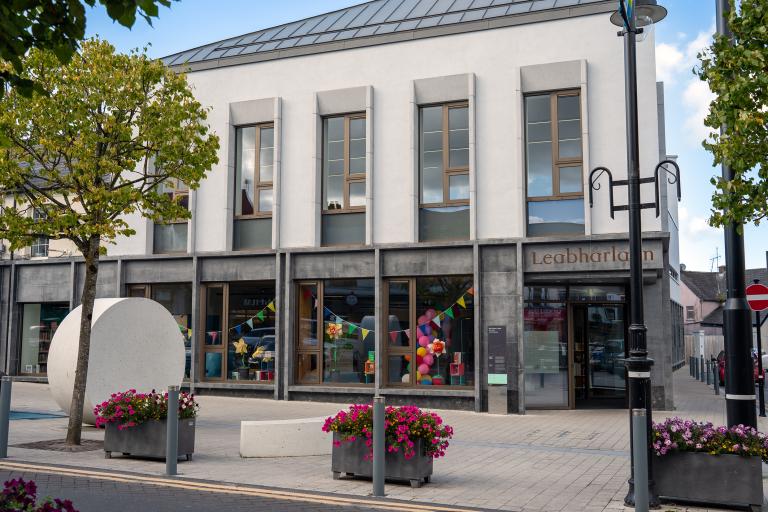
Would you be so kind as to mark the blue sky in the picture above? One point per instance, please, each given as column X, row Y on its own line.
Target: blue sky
column 687, row 28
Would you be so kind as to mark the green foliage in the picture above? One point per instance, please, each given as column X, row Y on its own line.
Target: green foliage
column 114, row 133
column 738, row 75
column 57, row 26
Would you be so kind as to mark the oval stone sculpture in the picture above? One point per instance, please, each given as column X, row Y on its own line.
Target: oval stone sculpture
column 135, row 344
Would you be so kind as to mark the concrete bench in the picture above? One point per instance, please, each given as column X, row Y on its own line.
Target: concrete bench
column 284, row 438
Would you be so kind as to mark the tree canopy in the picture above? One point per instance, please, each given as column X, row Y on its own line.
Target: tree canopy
column 115, row 132
column 55, row 25
column 738, row 74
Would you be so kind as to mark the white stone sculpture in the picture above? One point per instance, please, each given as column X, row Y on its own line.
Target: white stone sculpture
column 135, row 344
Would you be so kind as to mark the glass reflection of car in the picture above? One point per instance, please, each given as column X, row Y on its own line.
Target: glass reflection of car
column 255, row 338
column 721, row 367
column 348, row 353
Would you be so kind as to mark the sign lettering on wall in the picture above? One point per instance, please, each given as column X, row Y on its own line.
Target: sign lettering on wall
column 594, row 256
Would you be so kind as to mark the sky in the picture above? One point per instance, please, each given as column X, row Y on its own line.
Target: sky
column 686, row 30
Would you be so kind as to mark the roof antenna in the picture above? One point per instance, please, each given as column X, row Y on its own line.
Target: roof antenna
column 714, row 263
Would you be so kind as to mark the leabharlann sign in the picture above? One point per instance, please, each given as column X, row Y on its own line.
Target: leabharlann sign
column 589, row 256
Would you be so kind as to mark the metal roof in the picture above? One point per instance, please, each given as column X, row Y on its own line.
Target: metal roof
column 367, row 20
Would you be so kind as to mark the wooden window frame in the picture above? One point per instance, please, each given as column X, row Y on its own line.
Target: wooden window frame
column 413, row 346
column 447, row 170
column 258, row 185
column 221, row 348
column 349, row 178
column 319, row 351
column 557, row 162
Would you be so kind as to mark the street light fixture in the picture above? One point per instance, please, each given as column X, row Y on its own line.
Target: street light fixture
column 632, row 16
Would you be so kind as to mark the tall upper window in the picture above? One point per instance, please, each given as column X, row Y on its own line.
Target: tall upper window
column 444, row 172
column 172, row 236
column 554, row 163
column 254, row 168
column 39, row 247
column 344, row 163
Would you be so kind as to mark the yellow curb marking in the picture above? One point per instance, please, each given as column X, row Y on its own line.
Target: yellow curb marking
column 222, row 488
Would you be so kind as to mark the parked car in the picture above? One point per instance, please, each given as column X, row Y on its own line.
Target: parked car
column 721, row 367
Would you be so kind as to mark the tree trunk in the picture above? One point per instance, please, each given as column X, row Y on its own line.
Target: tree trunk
column 74, row 429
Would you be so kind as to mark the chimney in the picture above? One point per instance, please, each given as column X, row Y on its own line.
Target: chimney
column 682, row 267
column 721, row 269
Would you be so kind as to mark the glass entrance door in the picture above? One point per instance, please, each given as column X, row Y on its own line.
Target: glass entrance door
column 599, row 347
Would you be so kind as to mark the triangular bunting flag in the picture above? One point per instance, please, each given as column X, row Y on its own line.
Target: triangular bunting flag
column 449, row 312
column 425, row 329
column 260, row 315
column 271, row 306
column 393, row 336
column 249, row 322
column 237, row 330
column 352, row 328
column 436, row 321
column 408, row 333
column 339, row 320
column 365, row 333
column 461, row 302
column 471, row 291
column 189, row 332
column 327, row 313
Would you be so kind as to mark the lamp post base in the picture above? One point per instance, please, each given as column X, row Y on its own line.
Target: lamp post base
column 653, row 499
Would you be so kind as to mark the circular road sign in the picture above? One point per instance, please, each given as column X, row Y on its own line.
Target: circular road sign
column 757, row 297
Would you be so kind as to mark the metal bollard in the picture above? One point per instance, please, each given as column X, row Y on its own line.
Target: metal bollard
column 695, row 369
column 702, row 369
column 172, row 434
column 717, row 377
column 379, row 450
column 640, row 458
column 5, row 414
column 690, row 366
column 709, row 372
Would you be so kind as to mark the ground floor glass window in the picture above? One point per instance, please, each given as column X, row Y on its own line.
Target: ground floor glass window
column 38, row 324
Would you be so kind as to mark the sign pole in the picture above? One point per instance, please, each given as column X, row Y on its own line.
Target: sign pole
column 756, row 305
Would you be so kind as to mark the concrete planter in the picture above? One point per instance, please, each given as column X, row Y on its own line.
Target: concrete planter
column 349, row 459
column 728, row 480
column 148, row 439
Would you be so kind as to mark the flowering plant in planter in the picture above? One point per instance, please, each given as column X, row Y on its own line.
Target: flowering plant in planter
column 404, row 426
column 21, row 496
column 676, row 434
column 130, row 408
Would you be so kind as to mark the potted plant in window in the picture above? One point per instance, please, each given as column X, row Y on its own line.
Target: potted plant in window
column 700, row 463
column 135, row 423
column 241, row 349
column 414, row 438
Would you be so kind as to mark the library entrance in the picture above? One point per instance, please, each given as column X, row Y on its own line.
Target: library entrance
column 575, row 340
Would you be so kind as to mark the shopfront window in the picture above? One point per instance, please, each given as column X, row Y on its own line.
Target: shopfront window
column 546, row 354
column 177, row 299
column 251, row 328
column 239, row 338
column 430, row 338
column 345, row 310
column 39, row 323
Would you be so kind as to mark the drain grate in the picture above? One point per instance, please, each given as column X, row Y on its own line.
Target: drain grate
column 60, row 445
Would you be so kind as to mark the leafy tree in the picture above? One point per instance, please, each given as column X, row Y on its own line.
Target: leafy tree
column 738, row 74
column 115, row 132
column 55, row 25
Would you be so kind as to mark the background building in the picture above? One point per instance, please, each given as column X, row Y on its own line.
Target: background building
column 400, row 205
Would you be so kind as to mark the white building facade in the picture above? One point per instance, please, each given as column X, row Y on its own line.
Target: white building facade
column 401, row 205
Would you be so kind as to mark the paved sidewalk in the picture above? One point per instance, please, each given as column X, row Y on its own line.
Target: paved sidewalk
column 543, row 461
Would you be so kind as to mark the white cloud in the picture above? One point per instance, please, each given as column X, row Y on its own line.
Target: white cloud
column 696, row 98
column 668, row 59
column 698, row 240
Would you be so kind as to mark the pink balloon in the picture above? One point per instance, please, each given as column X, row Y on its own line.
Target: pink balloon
column 422, row 320
column 430, row 314
column 429, row 360
column 423, row 341
column 423, row 369
column 419, row 360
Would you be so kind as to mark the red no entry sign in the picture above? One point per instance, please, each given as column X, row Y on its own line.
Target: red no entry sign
column 757, row 297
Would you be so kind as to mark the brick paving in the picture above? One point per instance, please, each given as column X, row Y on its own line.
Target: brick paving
column 543, row 461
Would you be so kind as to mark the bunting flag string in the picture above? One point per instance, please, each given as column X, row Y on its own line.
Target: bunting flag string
column 425, row 328
column 260, row 316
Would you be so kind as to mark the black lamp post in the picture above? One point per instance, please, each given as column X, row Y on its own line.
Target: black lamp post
column 632, row 17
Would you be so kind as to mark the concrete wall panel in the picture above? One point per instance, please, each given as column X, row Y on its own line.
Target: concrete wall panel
column 239, row 268
column 43, row 283
column 158, row 271
column 333, row 265
column 425, row 262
